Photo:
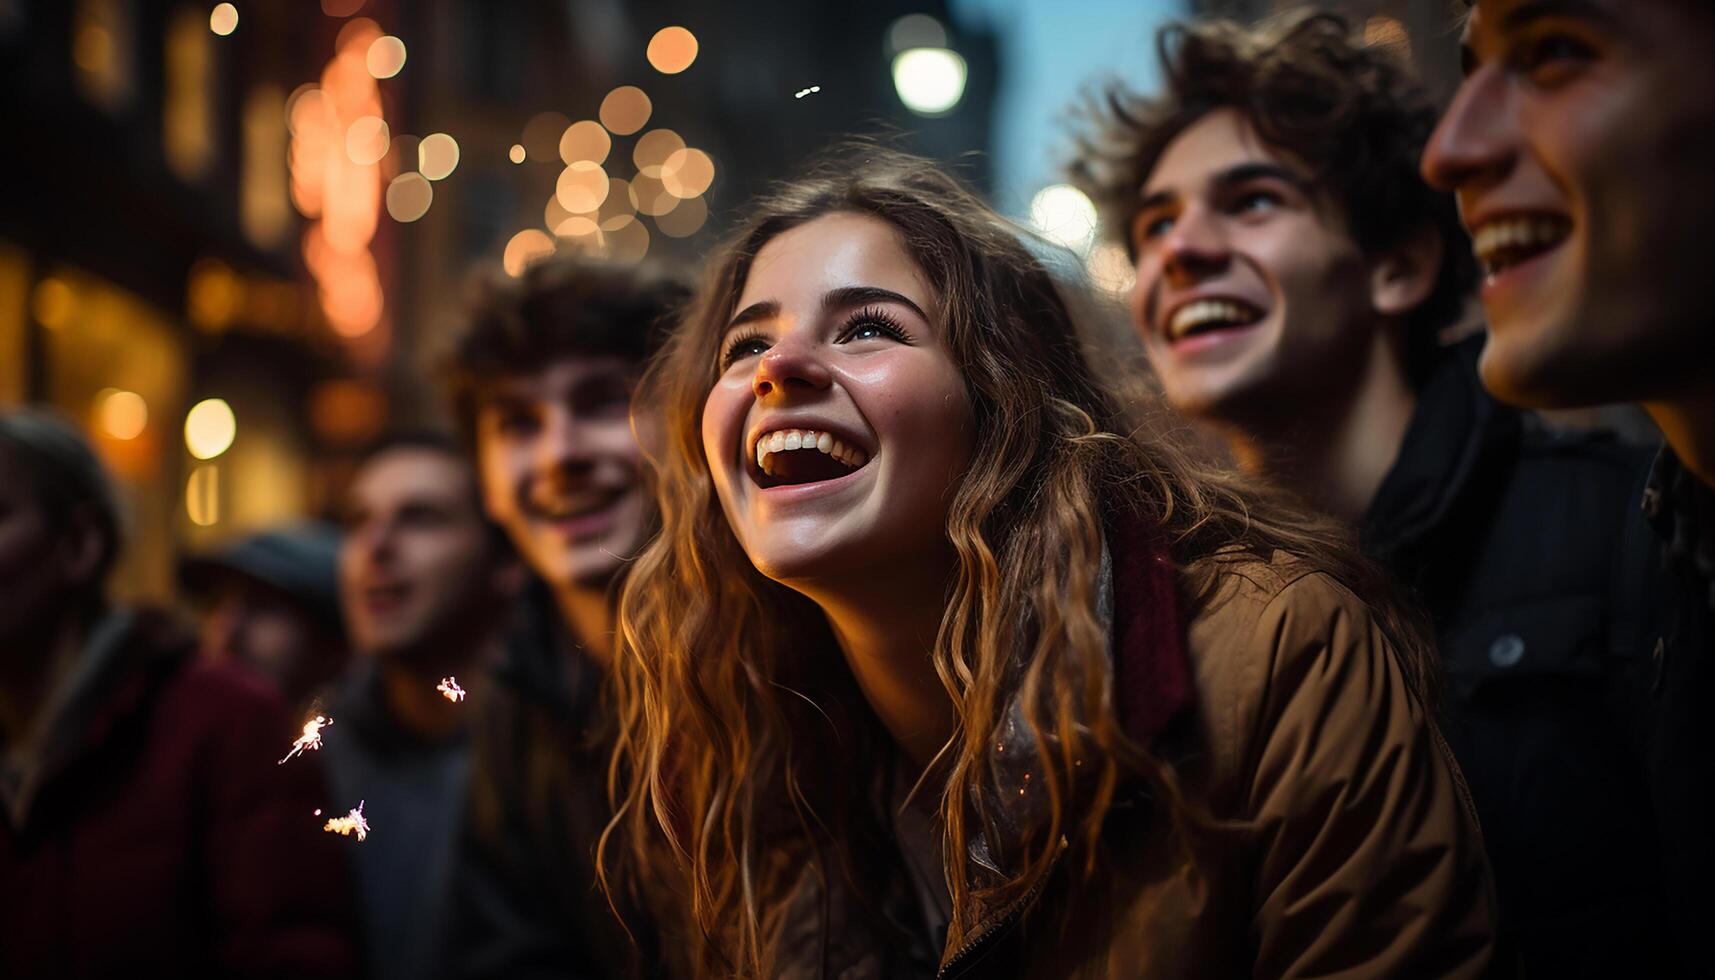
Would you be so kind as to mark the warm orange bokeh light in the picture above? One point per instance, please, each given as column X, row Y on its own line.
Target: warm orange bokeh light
column 687, row 172
column 653, row 148
column 672, row 50
column 585, row 140
column 525, row 247
column 581, row 187
column 625, row 110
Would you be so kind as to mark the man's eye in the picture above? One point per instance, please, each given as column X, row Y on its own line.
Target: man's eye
column 1552, row 57
column 1255, row 201
column 515, row 422
column 1151, row 228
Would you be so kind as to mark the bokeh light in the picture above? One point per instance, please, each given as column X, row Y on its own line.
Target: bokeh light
column 223, row 19
column 654, row 147
column 629, row 243
column 1064, row 214
column 650, row 196
column 585, row 140
column 210, row 428
column 554, row 213
column 1111, row 271
column 930, row 81
column 625, row 110
column 202, row 495
column 581, row 227
column 121, row 414
column 687, row 172
column 386, row 56
column 367, row 140
column 524, row 248
column 685, row 219
column 409, row 196
column 516, row 153
column 341, row 8
column 437, row 156
column 53, row 303
column 582, row 187
column 672, row 50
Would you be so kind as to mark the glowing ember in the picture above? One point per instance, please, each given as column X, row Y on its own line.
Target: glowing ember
column 451, row 689
column 311, row 739
column 351, row 823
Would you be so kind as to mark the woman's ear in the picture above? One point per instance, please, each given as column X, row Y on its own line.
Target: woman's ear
column 1403, row 276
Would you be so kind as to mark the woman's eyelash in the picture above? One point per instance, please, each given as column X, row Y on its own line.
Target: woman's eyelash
column 735, row 347
column 880, row 319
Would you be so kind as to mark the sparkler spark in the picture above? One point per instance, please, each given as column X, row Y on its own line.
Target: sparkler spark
column 351, row 823
column 806, row 91
column 311, row 739
column 451, row 689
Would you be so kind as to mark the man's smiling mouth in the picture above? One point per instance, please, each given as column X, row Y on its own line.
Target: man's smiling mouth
column 1502, row 243
column 788, row 457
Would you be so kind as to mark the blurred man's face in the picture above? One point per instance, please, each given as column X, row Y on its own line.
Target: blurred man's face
column 1581, row 147
column 561, row 470
column 269, row 632
column 1250, row 298
column 417, row 569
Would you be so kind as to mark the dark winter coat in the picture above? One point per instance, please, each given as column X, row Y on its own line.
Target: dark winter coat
column 1673, row 706
column 164, row 840
column 529, row 904
column 1526, row 547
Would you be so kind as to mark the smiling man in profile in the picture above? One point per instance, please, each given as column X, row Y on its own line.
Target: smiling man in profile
column 1580, row 147
column 1295, row 278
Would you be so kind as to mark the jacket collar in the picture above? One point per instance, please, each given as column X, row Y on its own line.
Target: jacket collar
column 1457, row 427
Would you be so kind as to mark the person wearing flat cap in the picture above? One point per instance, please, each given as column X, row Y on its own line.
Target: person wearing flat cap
column 272, row 602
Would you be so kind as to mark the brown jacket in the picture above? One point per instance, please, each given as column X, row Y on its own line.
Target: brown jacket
column 1358, row 853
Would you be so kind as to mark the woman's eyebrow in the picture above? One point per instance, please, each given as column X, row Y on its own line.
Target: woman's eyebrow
column 768, row 309
column 861, row 295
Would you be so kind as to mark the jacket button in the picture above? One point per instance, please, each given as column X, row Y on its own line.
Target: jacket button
column 1507, row 650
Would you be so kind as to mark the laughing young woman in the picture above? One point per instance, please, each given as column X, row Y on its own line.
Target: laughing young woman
column 935, row 669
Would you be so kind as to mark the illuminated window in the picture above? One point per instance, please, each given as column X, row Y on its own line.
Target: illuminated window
column 101, row 52
column 187, row 121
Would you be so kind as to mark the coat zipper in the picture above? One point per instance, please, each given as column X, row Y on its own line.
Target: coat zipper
column 994, row 925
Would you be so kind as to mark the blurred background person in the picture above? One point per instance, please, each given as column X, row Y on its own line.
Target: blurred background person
column 426, row 582
column 1579, row 147
column 148, row 829
column 1294, row 277
column 541, row 381
column 272, row 607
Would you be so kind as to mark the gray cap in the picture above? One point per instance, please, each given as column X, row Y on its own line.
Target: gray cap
column 300, row 560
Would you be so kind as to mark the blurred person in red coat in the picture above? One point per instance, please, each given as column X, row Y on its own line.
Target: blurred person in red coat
column 147, row 827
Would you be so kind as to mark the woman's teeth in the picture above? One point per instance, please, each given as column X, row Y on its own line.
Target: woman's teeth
column 1205, row 314
column 787, row 440
column 1509, row 241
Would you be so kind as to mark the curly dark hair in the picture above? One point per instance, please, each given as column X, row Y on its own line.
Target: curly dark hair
column 563, row 306
column 1354, row 114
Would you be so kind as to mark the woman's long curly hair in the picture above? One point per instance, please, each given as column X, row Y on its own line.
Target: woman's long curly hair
column 747, row 754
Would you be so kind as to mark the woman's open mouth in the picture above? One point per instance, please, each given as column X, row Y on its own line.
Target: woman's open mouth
column 793, row 457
